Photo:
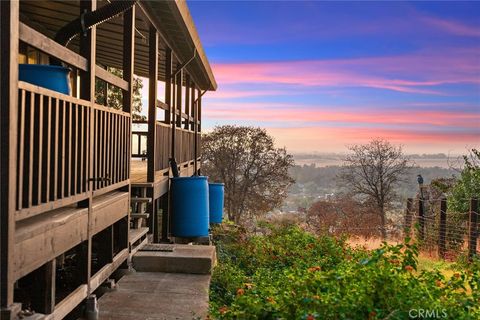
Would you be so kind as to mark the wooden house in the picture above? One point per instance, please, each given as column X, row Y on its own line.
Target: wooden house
column 76, row 198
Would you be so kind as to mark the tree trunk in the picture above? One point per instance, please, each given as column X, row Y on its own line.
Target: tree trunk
column 383, row 222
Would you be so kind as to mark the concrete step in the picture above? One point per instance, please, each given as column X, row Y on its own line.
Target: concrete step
column 193, row 259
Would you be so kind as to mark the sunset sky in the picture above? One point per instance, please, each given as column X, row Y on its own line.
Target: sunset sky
column 321, row 75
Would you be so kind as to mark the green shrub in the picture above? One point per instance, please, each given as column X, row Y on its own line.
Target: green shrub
column 292, row 274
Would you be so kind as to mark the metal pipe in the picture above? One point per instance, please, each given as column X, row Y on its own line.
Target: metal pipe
column 89, row 19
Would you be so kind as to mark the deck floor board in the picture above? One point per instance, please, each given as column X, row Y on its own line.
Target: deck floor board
column 157, row 296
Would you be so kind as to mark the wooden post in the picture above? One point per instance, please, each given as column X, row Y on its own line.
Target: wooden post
column 442, row 231
column 128, row 68
column 9, row 24
column 173, row 120
column 179, row 99
column 187, row 102
column 408, row 216
column 199, row 111
column 473, row 229
column 152, row 120
column 152, row 103
column 87, row 92
column 164, row 201
column 168, row 83
column 154, row 215
column 198, row 136
column 43, row 288
column 128, row 56
column 192, row 108
column 195, row 128
column 421, row 219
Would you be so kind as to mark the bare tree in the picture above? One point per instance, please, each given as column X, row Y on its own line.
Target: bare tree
column 373, row 171
column 255, row 173
column 343, row 215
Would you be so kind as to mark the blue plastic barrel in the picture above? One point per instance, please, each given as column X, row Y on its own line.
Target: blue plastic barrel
column 190, row 206
column 216, row 193
column 51, row 77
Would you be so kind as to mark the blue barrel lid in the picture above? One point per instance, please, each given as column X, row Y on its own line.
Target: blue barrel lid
column 190, row 178
column 43, row 67
column 216, row 183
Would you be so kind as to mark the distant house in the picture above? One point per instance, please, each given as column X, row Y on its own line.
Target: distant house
column 71, row 169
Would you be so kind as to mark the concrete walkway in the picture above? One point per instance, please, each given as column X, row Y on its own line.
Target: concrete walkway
column 157, row 296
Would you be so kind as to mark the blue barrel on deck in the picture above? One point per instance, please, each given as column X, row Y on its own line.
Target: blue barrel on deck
column 190, row 206
column 216, row 193
column 55, row 78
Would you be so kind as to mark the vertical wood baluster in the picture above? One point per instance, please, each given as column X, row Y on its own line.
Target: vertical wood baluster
column 21, row 149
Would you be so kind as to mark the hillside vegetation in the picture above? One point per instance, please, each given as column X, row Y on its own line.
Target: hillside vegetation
column 288, row 273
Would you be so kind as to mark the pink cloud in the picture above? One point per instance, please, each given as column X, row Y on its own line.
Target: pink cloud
column 296, row 113
column 427, row 68
column 336, row 139
column 452, row 27
column 232, row 94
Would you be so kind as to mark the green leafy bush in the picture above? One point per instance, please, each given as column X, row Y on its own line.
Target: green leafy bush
column 292, row 274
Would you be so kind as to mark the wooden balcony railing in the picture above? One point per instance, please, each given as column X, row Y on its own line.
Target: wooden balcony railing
column 185, row 145
column 163, row 145
column 55, row 149
column 111, row 147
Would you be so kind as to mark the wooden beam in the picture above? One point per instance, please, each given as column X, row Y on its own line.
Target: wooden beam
column 162, row 105
column 43, row 238
column 152, row 103
column 9, row 19
column 128, row 56
column 108, row 269
column 69, row 303
column 107, row 76
column 52, row 48
column 109, row 208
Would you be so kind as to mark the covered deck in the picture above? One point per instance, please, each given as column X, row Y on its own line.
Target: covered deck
column 68, row 181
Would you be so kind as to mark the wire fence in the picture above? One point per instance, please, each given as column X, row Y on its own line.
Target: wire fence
column 440, row 232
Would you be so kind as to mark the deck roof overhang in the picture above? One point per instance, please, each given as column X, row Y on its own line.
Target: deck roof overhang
column 172, row 20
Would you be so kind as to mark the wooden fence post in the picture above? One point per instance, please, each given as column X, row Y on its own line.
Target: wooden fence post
column 408, row 216
column 442, row 231
column 473, row 226
column 421, row 219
